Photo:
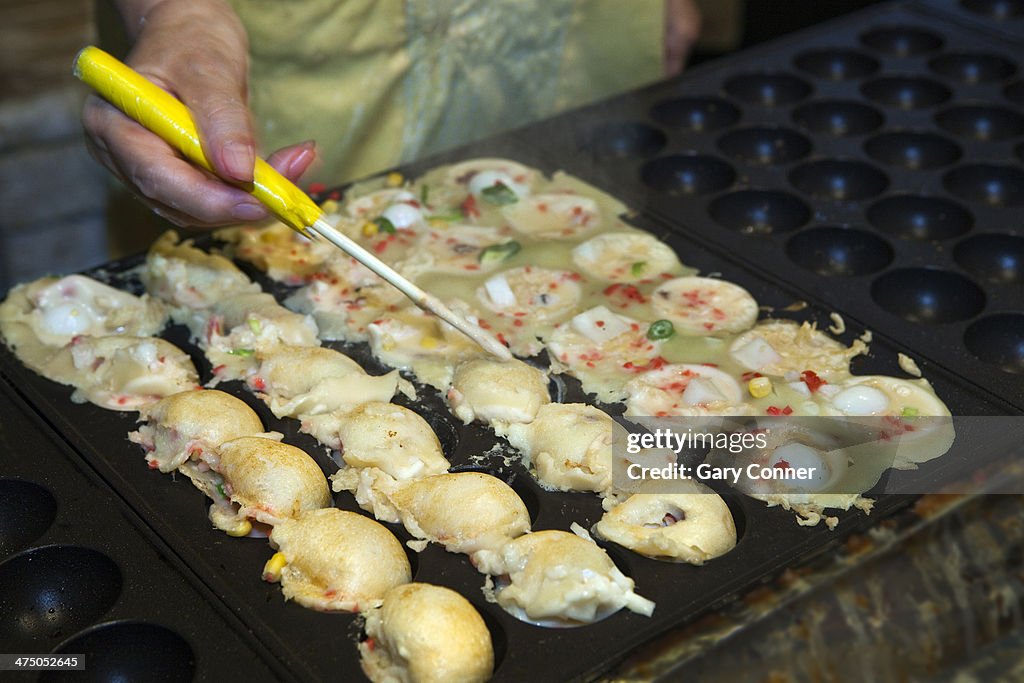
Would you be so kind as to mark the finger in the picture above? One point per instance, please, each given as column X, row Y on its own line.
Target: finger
column 293, row 161
column 152, row 169
column 682, row 28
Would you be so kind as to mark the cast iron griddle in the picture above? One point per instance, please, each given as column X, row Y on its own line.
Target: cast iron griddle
column 789, row 140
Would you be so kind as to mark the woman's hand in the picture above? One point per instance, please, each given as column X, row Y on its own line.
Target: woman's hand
column 682, row 28
column 198, row 51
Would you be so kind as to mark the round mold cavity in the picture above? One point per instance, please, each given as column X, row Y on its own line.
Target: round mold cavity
column 51, row 592
column 768, row 89
column 838, row 117
column 688, row 174
column 927, row 295
column 766, row 146
column 981, row 122
column 995, row 258
column 837, row 64
column 623, row 140
column 839, row 252
column 915, row 151
column 972, row 67
column 698, row 114
column 906, row 92
column 999, row 340
column 26, row 511
column 1000, row 10
column 838, row 179
column 901, row 41
column 128, row 651
column 841, row 118
column 995, row 184
column 919, row 217
column 1015, row 92
column 759, row 212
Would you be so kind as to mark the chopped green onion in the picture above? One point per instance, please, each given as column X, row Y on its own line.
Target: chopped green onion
column 660, row 329
column 499, row 194
column 384, row 225
column 424, row 194
column 241, row 352
column 499, row 252
column 909, row 411
column 637, row 269
column 254, row 325
column 220, row 490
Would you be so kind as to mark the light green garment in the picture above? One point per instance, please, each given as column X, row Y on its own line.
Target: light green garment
column 381, row 82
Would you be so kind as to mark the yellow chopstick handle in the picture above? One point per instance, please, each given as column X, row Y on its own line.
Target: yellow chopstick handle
column 163, row 114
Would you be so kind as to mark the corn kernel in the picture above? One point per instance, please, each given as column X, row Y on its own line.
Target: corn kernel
column 438, row 224
column 330, row 206
column 429, row 342
column 394, row 179
column 759, row 387
column 243, row 529
column 370, row 229
column 272, row 569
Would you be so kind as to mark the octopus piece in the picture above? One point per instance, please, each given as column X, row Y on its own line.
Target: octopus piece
column 187, row 424
column 184, row 276
column 494, row 391
column 427, row 634
column 569, row 445
column 682, row 521
column 334, row 560
column 122, row 372
column 558, row 578
column 40, row 317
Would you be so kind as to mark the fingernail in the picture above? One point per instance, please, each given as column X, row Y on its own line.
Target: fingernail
column 247, row 211
column 300, row 161
column 238, row 160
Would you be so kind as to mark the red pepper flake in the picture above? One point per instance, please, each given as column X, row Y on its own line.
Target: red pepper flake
column 747, row 376
column 517, row 322
column 599, row 323
column 501, row 338
column 775, row 410
column 469, row 207
column 782, row 465
column 811, row 379
column 371, row 644
column 258, row 383
column 153, row 465
column 317, row 188
column 709, row 326
column 334, row 195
